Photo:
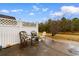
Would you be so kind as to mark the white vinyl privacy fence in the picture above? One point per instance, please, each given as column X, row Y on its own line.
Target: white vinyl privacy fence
column 9, row 31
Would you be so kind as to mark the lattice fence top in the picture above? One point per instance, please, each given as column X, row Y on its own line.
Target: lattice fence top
column 8, row 22
column 15, row 22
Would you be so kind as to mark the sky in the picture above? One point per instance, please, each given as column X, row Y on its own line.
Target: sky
column 39, row 12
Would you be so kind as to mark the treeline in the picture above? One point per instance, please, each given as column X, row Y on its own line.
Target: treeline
column 62, row 25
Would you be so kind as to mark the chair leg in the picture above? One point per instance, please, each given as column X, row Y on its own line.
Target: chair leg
column 31, row 42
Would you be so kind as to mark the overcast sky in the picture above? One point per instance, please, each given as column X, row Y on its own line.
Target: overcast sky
column 40, row 12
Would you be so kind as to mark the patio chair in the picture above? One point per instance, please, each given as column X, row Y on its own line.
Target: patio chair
column 23, row 39
column 34, row 37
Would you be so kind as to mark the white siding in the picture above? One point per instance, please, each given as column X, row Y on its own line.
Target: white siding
column 9, row 35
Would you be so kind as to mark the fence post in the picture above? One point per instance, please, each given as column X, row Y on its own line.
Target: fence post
column 37, row 27
column 19, row 23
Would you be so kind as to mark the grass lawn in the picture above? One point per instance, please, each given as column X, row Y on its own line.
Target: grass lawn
column 65, row 36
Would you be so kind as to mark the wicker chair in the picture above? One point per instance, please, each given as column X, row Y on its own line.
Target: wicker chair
column 34, row 37
column 23, row 39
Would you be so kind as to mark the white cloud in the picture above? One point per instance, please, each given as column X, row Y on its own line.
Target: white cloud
column 31, row 14
column 44, row 9
column 4, row 11
column 17, row 10
column 70, row 9
column 8, row 11
column 36, row 8
column 65, row 10
column 57, row 14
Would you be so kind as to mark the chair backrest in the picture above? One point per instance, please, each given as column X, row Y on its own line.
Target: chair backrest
column 33, row 33
column 23, row 35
